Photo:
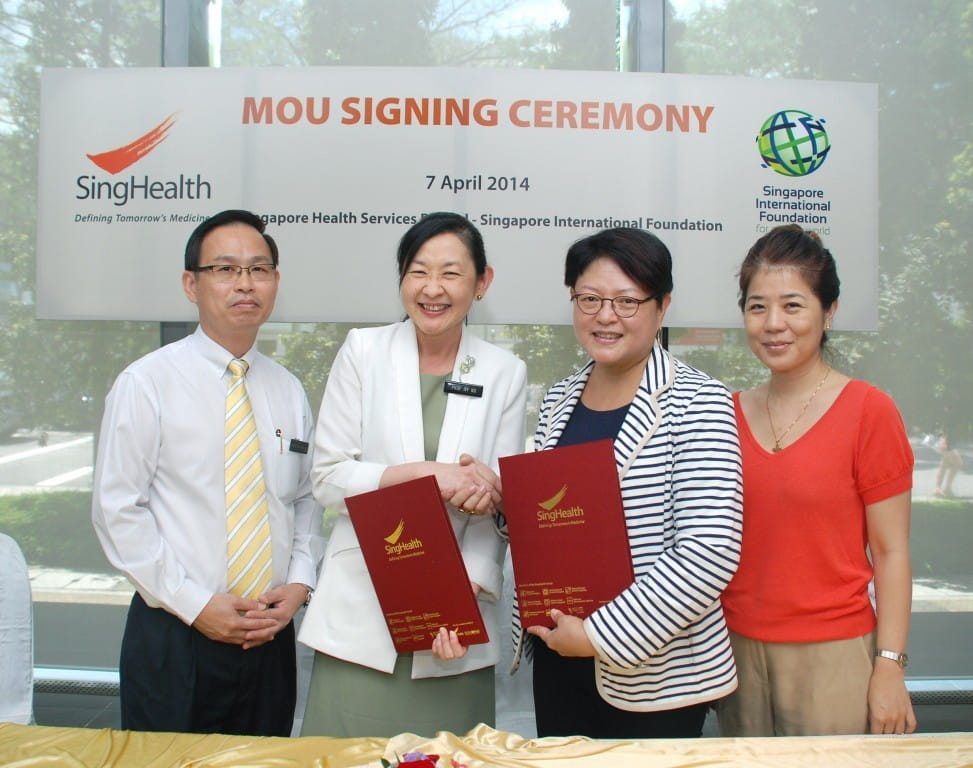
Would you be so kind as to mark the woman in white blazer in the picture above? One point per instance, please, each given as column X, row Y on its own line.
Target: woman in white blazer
column 649, row 662
column 386, row 418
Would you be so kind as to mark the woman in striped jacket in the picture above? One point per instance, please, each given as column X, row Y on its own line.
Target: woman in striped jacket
column 648, row 663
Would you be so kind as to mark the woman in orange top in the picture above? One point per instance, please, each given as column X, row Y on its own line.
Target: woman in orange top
column 827, row 475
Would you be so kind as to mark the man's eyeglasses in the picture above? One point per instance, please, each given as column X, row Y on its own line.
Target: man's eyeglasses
column 623, row 306
column 228, row 273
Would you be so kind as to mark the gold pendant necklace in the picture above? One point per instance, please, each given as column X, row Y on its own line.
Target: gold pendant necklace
column 777, row 447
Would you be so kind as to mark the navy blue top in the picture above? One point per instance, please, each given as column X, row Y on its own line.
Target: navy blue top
column 586, row 425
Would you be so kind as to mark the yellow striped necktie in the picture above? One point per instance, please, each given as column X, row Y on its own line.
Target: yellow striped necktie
column 248, row 548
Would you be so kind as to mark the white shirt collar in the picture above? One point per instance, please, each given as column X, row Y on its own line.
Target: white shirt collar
column 217, row 355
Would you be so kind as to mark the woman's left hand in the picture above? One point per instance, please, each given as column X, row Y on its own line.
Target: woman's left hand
column 568, row 637
column 446, row 645
column 889, row 707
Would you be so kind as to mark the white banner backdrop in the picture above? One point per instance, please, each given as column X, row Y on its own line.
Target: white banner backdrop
column 341, row 161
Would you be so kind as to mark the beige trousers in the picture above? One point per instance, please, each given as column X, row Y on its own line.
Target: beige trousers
column 799, row 689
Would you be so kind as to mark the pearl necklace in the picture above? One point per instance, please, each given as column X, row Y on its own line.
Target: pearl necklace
column 777, row 447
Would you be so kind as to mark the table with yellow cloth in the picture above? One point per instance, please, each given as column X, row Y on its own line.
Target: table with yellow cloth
column 23, row 746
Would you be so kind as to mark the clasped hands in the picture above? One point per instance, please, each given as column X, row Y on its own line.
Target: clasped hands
column 249, row 623
column 470, row 486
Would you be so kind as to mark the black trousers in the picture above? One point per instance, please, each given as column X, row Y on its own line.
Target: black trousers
column 174, row 678
column 566, row 703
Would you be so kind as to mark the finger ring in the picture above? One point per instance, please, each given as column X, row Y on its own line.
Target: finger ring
column 463, row 510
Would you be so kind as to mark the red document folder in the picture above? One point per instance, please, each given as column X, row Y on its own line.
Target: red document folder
column 415, row 564
column 568, row 540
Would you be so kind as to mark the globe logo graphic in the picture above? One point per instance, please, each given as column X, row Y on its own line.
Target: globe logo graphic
column 793, row 142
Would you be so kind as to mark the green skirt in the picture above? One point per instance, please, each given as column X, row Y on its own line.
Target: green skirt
column 348, row 700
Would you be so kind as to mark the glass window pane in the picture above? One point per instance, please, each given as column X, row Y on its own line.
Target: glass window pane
column 54, row 375
column 492, row 33
column 919, row 56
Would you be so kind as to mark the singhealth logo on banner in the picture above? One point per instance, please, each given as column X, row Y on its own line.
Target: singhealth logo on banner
column 117, row 160
column 793, row 142
column 120, row 190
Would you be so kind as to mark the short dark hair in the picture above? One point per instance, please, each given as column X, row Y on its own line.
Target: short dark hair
column 438, row 223
column 232, row 216
column 639, row 254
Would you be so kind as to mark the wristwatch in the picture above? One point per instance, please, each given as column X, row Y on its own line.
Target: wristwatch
column 310, row 591
column 899, row 658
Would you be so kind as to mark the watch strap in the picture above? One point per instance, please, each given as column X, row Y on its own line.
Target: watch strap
column 899, row 658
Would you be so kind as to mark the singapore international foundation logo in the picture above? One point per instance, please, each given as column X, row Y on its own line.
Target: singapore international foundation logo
column 793, row 142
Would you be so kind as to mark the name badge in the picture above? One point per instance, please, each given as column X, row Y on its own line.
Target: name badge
column 461, row 388
column 298, row 446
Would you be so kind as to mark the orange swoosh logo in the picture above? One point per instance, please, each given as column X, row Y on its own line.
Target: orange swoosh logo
column 117, row 160
column 396, row 534
column 555, row 499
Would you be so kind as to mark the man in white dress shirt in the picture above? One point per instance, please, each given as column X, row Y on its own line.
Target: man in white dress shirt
column 201, row 653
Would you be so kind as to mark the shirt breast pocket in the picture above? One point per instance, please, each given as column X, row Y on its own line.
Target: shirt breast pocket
column 289, row 466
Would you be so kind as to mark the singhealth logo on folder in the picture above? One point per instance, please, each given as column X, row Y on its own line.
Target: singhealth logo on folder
column 393, row 537
column 551, row 515
column 396, row 549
